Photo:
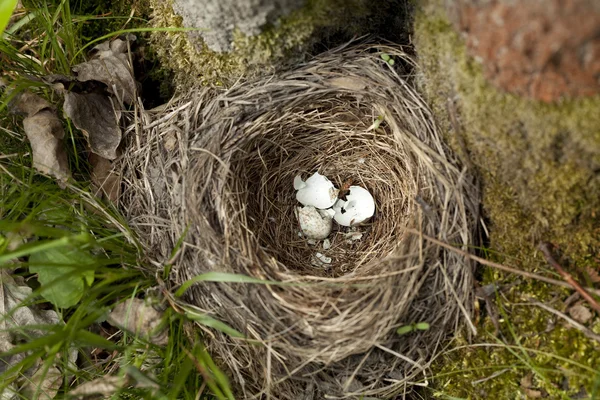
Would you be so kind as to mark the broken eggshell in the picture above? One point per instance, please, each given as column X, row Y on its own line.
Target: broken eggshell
column 358, row 207
column 314, row 224
column 316, row 191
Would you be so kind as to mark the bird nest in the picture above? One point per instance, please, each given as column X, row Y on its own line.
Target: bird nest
column 211, row 174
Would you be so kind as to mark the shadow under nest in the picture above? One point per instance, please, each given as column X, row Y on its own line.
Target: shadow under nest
column 214, row 169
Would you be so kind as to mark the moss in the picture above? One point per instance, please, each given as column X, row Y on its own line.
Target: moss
column 538, row 164
column 282, row 44
column 558, row 358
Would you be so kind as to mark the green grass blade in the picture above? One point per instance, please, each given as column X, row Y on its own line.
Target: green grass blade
column 221, row 277
column 86, row 338
column 6, row 10
column 214, row 323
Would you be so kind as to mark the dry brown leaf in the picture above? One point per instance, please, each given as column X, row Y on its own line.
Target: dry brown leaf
column 105, row 386
column 110, row 65
column 527, row 381
column 527, row 386
column 29, row 104
column 594, row 274
column 95, row 116
column 13, row 293
column 580, row 313
column 43, row 384
column 106, row 181
column 135, row 316
column 533, row 394
column 45, row 133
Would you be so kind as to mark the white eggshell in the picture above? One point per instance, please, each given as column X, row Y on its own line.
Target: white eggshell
column 320, row 260
column 358, row 207
column 313, row 225
column 317, row 191
column 299, row 183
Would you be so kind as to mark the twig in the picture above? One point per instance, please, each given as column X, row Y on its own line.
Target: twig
column 586, row 331
column 501, row 267
column 568, row 277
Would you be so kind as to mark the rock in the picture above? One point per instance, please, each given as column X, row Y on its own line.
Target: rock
column 217, row 19
column 542, row 49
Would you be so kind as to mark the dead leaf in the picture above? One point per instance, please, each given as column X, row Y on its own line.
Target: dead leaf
column 45, row 133
column 580, row 313
column 105, row 386
column 95, row 116
column 13, row 294
column 29, row 104
column 110, row 65
column 593, row 274
column 135, row 316
column 533, row 394
column 43, row 384
column 106, row 181
column 527, row 386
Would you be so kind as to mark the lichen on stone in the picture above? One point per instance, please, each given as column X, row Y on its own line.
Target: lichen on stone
column 539, row 166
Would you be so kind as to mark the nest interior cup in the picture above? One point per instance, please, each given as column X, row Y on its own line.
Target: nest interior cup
column 226, row 189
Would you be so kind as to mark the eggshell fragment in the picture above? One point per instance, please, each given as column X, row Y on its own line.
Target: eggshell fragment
column 358, row 207
column 312, row 223
column 320, row 260
column 317, row 191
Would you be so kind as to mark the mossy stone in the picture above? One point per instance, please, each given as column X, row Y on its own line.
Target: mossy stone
column 539, row 166
column 320, row 23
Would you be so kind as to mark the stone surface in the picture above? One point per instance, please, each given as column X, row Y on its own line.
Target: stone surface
column 218, row 19
column 542, row 49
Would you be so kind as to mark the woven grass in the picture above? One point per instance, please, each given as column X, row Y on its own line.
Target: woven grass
column 216, row 169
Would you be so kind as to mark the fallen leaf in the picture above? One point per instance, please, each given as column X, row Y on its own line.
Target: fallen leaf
column 29, row 104
column 527, row 386
column 527, row 381
column 580, row 313
column 13, row 295
column 45, row 133
column 106, row 181
column 135, row 316
column 43, row 384
column 62, row 273
column 96, row 117
column 594, row 274
column 106, row 386
column 110, row 65
column 533, row 394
